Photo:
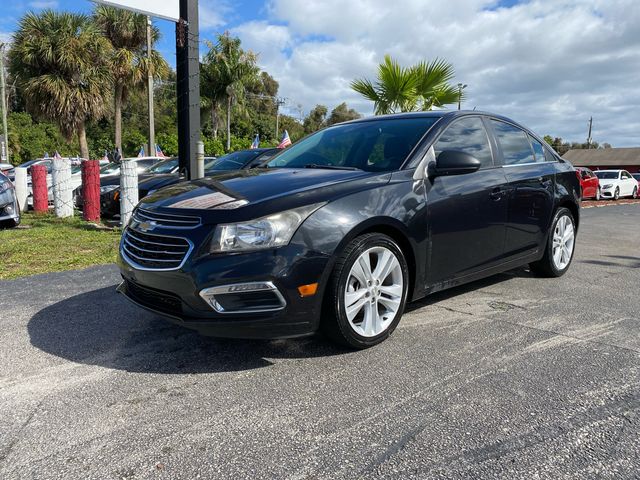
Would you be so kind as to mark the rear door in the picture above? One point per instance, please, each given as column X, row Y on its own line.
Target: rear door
column 531, row 181
column 467, row 212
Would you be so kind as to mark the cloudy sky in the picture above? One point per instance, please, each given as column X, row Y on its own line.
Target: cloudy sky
column 550, row 64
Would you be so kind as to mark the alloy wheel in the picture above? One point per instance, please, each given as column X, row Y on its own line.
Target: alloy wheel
column 563, row 242
column 373, row 292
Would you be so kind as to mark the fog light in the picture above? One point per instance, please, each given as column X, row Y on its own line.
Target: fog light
column 9, row 209
column 308, row 290
column 244, row 297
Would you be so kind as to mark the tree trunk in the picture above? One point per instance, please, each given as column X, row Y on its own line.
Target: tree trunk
column 82, row 138
column 214, row 120
column 117, row 104
column 229, row 123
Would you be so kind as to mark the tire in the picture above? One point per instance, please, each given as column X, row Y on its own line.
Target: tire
column 598, row 194
column 616, row 194
column 635, row 193
column 376, row 308
column 548, row 266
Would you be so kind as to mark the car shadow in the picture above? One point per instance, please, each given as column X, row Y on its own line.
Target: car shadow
column 101, row 328
column 522, row 272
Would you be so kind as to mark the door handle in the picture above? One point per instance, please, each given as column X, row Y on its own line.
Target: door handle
column 545, row 182
column 496, row 194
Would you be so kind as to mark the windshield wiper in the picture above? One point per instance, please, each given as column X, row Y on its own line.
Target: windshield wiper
column 330, row 167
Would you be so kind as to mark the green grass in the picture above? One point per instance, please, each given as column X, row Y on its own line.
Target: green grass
column 51, row 244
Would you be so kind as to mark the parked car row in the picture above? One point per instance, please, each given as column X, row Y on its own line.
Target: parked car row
column 610, row 184
column 165, row 173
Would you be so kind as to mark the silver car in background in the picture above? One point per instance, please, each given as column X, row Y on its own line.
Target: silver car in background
column 9, row 211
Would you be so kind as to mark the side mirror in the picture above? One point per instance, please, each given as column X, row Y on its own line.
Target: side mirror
column 454, row 162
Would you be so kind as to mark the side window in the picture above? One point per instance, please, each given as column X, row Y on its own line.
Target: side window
column 548, row 156
column 466, row 135
column 514, row 143
column 625, row 175
column 538, row 150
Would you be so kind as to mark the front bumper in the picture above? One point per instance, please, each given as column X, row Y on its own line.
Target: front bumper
column 176, row 294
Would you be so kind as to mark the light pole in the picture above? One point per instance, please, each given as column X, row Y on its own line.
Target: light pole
column 152, row 133
column 461, row 86
column 3, row 104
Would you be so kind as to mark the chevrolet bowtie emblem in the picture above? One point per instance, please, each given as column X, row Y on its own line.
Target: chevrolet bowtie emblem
column 147, row 226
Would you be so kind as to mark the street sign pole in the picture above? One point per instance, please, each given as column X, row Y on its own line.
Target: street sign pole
column 188, row 86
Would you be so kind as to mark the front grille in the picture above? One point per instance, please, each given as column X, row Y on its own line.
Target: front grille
column 154, row 252
column 166, row 220
column 154, row 299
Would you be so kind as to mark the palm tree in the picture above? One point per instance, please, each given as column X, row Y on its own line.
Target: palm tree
column 225, row 70
column 400, row 89
column 59, row 62
column 129, row 62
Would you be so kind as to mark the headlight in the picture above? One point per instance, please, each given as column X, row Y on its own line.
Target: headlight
column 608, row 185
column 108, row 188
column 266, row 232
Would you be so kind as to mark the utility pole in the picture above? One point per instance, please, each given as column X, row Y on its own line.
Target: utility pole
column 279, row 101
column 4, row 104
column 589, row 135
column 152, row 133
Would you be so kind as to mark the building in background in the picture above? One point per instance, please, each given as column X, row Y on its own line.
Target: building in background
column 606, row 158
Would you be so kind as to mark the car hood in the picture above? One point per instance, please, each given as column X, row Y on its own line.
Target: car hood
column 247, row 194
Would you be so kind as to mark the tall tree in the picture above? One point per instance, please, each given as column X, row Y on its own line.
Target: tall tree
column 129, row 62
column 342, row 113
column 406, row 89
column 59, row 62
column 226, row 68
column 316, row 119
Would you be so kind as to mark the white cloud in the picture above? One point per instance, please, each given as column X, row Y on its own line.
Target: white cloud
column 211, row 13
column 550, row 64
column 42, row 4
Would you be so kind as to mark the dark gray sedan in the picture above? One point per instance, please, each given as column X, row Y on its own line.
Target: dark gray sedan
column 9, row 211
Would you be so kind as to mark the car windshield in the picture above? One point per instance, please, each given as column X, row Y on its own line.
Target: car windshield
column 373, row 146
column 636, row 176
column 233, row 161
column 607, row 175
column 75, row 169
column 110, row 168
column 166, row 166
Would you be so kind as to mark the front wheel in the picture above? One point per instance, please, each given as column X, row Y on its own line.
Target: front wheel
column 367, row 292
column 598, row 194
column 635, row 193
column 616, row 194
column 560, row 246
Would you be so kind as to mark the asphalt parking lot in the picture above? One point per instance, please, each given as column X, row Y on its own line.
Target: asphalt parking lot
column 510, row 377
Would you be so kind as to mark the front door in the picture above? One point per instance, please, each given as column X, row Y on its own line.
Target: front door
column 467, row 213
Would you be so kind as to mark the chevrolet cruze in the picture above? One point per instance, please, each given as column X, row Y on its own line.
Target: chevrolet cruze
column 339, row 231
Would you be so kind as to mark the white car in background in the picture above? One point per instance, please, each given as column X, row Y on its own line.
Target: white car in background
column 617, row 183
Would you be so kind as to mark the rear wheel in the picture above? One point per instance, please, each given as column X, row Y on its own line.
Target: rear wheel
column 367, row 292
column 560, row 246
